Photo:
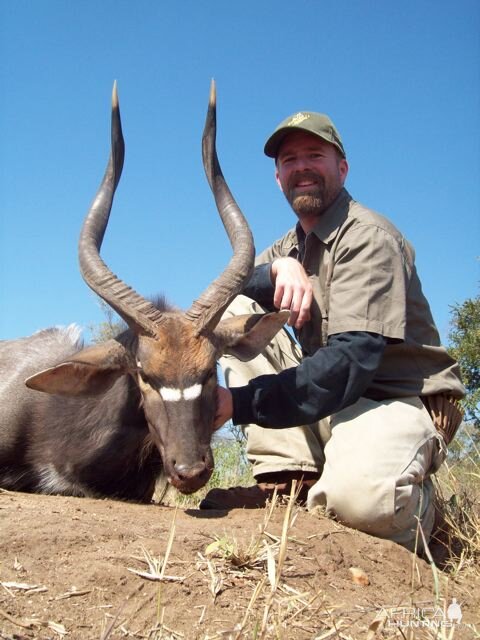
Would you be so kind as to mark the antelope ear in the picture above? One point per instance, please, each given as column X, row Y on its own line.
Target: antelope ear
column 88, row 372
column 246, row 336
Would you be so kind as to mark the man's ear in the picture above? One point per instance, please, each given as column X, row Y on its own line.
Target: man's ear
column 91, row 371
column 343, row 169
column 246, row 336
column 277, row 177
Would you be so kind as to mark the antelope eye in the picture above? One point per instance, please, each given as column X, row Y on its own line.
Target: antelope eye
column 209, row 375
column 205, row 376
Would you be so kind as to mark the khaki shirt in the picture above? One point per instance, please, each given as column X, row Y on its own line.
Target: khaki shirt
column 363, row 275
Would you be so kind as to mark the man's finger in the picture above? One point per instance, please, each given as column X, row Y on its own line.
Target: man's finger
column 304, row 313
column 278, row 296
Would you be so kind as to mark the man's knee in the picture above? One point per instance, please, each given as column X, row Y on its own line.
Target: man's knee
column 367, row 505
column 381, row 508
column 242, row 304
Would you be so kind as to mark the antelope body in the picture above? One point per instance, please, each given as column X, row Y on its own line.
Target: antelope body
column 108, row 419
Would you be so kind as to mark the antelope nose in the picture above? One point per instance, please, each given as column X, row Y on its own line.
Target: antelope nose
column 190, row 472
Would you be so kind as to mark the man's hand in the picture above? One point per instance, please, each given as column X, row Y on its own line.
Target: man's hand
column 224, row 407
column 293, row 290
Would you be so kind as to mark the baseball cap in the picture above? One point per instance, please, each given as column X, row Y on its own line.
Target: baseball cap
column 317, row 123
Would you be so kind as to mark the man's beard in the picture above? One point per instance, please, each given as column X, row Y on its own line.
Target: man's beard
column 316, row 200
column 307, row 205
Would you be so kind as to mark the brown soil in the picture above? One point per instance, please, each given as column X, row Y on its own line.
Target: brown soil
column 65, row 573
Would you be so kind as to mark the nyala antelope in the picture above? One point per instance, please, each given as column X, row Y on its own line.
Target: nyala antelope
column 109, row 419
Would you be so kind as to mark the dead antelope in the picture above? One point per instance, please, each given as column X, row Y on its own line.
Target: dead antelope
column 115, row 415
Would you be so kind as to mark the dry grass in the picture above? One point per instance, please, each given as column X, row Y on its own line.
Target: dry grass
column 276, row 611
column 454, row 550
column 458, row 492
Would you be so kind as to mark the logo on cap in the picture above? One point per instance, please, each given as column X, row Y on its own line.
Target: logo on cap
column 297, row 118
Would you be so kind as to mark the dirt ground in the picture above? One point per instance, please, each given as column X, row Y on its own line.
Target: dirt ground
column 66, row 572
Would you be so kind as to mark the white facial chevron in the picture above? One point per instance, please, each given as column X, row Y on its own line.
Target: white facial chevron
column 192, row 392
column 170, row 394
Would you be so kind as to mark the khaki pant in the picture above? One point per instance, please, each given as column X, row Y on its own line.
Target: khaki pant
column 375, row 458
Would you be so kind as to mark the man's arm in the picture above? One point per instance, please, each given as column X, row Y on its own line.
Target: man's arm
column 260, row 287
column 335, row 377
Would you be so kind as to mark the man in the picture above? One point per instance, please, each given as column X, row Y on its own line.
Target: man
column 344, row 416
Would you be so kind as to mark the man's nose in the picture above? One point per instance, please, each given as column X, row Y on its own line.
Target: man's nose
column 302, row 164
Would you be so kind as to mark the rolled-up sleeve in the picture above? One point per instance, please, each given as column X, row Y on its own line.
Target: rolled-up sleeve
column 369, row 283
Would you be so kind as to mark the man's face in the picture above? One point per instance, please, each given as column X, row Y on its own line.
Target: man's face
column 310, row 173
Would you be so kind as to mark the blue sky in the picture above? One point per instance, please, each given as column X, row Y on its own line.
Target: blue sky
column 401, row 81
